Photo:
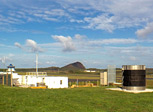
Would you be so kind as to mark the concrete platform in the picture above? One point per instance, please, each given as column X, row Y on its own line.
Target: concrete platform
column 131, row 91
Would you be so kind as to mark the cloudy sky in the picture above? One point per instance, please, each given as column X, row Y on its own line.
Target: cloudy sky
column 95, row 32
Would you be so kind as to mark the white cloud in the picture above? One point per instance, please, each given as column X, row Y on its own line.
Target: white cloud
column 30, row 46
column 145, row 31
column 81, row 43
column 45, row 17
column 110, row 23
column 77, row 21
column 18, row 45
column 30, row 12
column 99, row 14
column 56, row 12
column 7, row 28
column 78, row 36
column 67, row 43
column 103, row 22
column 134, row 8
column 137, row 51
column 9, row 20
column 113, row 41
column 33, row 46
column 112, row 14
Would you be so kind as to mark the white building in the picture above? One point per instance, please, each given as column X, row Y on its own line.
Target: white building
column 49, row 81
column 35, row 79
column 90, row 71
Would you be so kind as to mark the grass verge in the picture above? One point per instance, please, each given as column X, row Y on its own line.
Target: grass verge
column 73, row 100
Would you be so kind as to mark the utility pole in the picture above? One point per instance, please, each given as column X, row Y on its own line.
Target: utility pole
column 36, row 63
column 77, row 81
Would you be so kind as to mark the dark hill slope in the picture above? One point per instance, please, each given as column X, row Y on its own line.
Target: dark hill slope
column 74, row 66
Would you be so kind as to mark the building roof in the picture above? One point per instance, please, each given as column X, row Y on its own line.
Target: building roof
column 11, row 66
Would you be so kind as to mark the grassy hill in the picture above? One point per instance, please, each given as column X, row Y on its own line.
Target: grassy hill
column 74, row 66
column 73, row 100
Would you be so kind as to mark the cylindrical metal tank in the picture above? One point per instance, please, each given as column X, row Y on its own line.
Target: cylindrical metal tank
column 134, row 77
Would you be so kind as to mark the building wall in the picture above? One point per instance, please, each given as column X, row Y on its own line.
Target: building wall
column 89, row 71
column 32, row 80
column 16, row 76
column 51, row 82
column 56, row 82
column 1, row 79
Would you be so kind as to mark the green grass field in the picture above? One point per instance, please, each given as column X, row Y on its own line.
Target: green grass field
column 95, row 99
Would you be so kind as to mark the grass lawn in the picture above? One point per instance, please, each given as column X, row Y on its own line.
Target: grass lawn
column 73, row 100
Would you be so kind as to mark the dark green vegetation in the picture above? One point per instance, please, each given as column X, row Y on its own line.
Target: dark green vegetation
column 73, row 100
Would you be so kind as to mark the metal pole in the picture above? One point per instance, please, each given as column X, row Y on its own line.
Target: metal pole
column 36, row 63
column 77, row 80
column 11, row 77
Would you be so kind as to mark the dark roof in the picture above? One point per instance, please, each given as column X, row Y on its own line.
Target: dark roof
column 11, row 66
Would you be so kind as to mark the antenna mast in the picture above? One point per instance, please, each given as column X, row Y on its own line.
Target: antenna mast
column 36, row 63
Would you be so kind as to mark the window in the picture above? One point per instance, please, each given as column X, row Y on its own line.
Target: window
column 60, row 82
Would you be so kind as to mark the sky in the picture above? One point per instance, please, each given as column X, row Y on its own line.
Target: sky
column 96, row 33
